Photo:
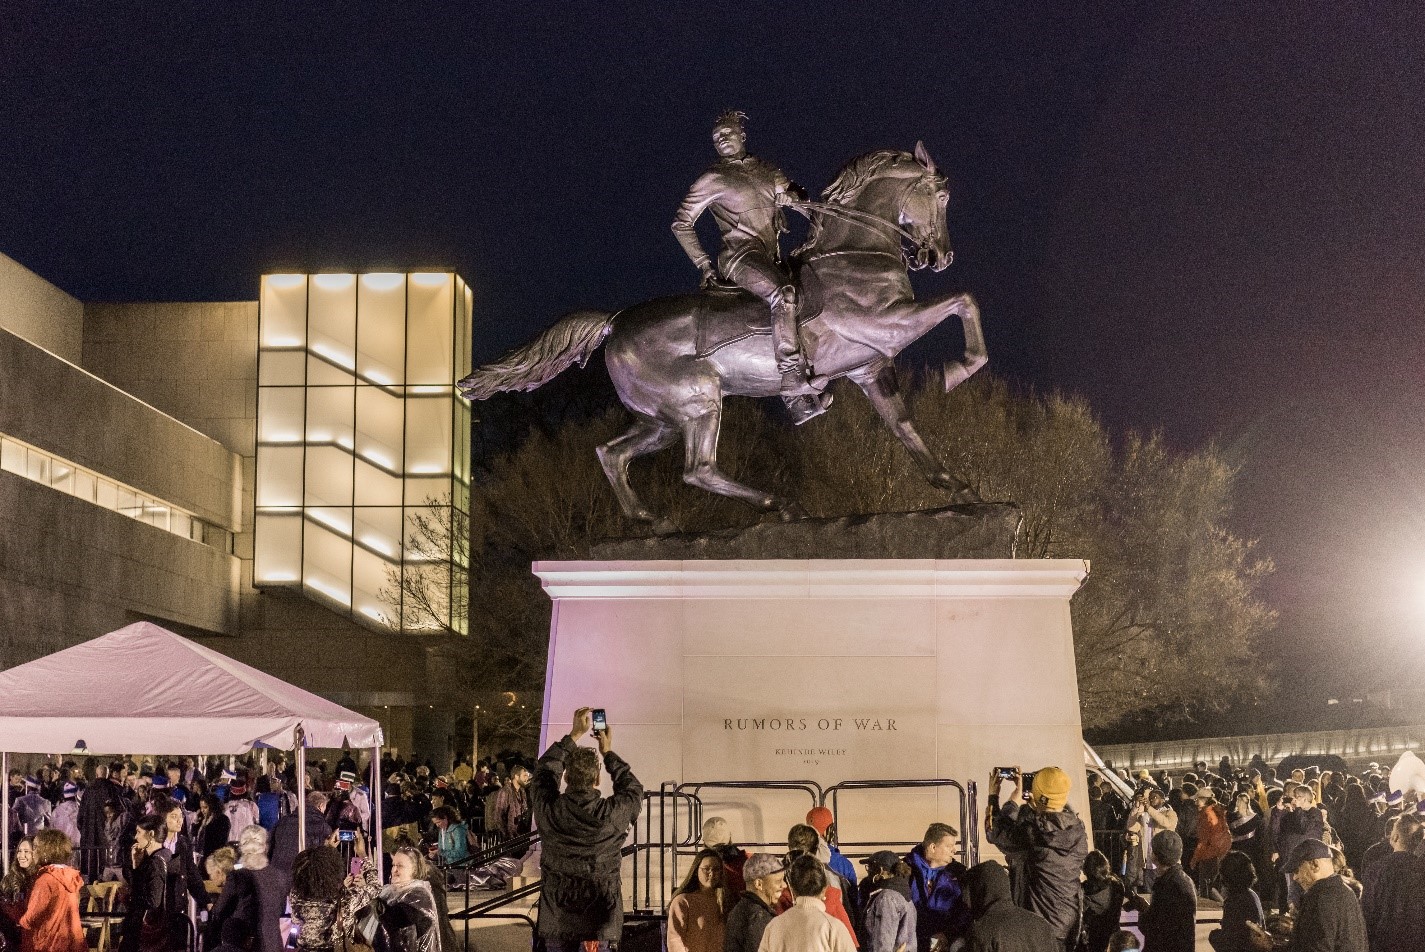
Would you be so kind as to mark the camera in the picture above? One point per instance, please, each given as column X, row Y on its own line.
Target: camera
column 346, row 836
column 600, row 720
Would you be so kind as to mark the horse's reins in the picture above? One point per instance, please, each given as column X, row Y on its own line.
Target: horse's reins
column 858, row 218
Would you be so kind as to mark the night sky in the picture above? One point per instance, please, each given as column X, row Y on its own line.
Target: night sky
column 1206, row 219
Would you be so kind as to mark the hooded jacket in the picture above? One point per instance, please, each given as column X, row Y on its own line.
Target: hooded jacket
column 1049, row 848
column 938, row 897
column 890, row 916
column 997, row 924
column 51, row 922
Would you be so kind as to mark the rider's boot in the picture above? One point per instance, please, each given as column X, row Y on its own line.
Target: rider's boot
column 799, row 393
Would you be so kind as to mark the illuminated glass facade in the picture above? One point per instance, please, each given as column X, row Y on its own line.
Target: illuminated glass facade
column 363, row 445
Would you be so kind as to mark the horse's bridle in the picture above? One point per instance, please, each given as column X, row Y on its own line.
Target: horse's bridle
column 921, row 242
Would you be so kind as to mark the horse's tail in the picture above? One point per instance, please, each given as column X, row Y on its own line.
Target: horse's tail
column 571, row 341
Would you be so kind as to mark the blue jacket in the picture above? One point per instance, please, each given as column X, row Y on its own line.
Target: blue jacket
column 843, row 867
column 938, row 895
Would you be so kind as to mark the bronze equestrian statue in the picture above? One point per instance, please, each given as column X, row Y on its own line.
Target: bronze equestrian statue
column 673, row 359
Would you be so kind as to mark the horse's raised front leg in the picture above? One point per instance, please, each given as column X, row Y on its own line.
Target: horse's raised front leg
column 700, row 435
column 958, row 371
column 878, row 381
column 647, row 435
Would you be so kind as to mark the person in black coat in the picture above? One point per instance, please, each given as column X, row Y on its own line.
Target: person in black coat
column 1240, row 905
column 184, row 876
column 996, row 923
column 1169, row 922
column 1330, row 918
column 1103, row 902
column 148, row 886
column 92, row 836
column 1394, row 898
column 582, row 835
column 212, row 832
column 248, row 913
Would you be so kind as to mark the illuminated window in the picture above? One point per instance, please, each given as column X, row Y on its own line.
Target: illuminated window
column 363, row 476
column 43, row 467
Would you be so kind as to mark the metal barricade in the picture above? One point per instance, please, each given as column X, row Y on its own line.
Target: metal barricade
column 969, row 811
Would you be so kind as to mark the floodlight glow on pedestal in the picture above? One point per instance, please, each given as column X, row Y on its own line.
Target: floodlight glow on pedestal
column 360, row 431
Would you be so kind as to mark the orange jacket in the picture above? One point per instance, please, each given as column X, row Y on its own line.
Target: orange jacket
column 1214, row 835
column 51, row 921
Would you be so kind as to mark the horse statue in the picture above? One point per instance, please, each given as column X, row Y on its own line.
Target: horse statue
column 673, row 359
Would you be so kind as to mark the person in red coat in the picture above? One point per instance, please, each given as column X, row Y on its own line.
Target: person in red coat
column 1214, row 840
column 51, row 919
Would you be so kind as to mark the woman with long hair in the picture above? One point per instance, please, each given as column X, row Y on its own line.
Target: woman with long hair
column 325, row 900
column 1103, row 902
column 145, row 925
column 1240, row 905
column 15, row 891
column 698, row 913
column 409, row 920
column 51, row 921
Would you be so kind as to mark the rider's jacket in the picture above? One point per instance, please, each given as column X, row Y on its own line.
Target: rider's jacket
column 742, row 195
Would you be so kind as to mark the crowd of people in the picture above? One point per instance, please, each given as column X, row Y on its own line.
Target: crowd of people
column 1316, row 859
column 207, row 855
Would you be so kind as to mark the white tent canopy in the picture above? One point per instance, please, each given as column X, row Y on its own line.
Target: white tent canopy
column 144, row 689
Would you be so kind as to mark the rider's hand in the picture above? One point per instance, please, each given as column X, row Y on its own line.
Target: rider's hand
column 583, row 721
column 709, row 279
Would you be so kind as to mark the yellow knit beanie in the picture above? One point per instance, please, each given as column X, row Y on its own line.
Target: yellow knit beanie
column 1051, row 789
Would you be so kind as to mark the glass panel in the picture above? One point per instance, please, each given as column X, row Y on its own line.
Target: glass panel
column 37, row 467
column 279, row 476
column 155, row 514
column 331, row 322
column 127, row 502
column 381, row 328
column 61, row 476
column 429, row 610
column 371, row 577
column 375, row 488
column 379, row 419
column 279, row 414
column 328, row 476
column 326, row 563
column 429, row 329
column 428, row 435
column 278, row 553
column 180, row 523
column 427, row 534
column 106, row 494
column 335, row 518
column 282, row 367
column 283, row 312
column 321, row 373
column 12, row 457
column 378, row 528
column 329, row 415
column 84, row 484
column 427, row 492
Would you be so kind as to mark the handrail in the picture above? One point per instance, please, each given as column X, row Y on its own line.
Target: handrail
column 969, row 830
column 489, row 854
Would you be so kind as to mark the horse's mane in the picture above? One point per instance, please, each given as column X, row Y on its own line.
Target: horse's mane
column 852, row 180
column 860, row 171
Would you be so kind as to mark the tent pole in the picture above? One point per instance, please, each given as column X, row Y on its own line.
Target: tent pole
column 5, row 799
column 299, row 741
column 380, row 856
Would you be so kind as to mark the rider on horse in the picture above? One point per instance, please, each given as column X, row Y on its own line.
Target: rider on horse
column 745, row 196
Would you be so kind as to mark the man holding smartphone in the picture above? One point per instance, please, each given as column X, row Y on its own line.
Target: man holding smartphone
column 582, row 835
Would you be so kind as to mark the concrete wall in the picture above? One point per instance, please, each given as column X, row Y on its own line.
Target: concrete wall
column 58, row 407
column 41, row 313
column 70, row 570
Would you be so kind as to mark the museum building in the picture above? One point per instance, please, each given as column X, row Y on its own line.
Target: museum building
column 286, row 480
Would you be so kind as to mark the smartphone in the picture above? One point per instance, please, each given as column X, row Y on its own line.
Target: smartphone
column 1028, row 781
column 601, row 720
column 1005, row 773
column 346, row 836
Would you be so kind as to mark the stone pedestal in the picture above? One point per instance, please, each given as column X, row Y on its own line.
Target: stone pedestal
column 823, row 670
